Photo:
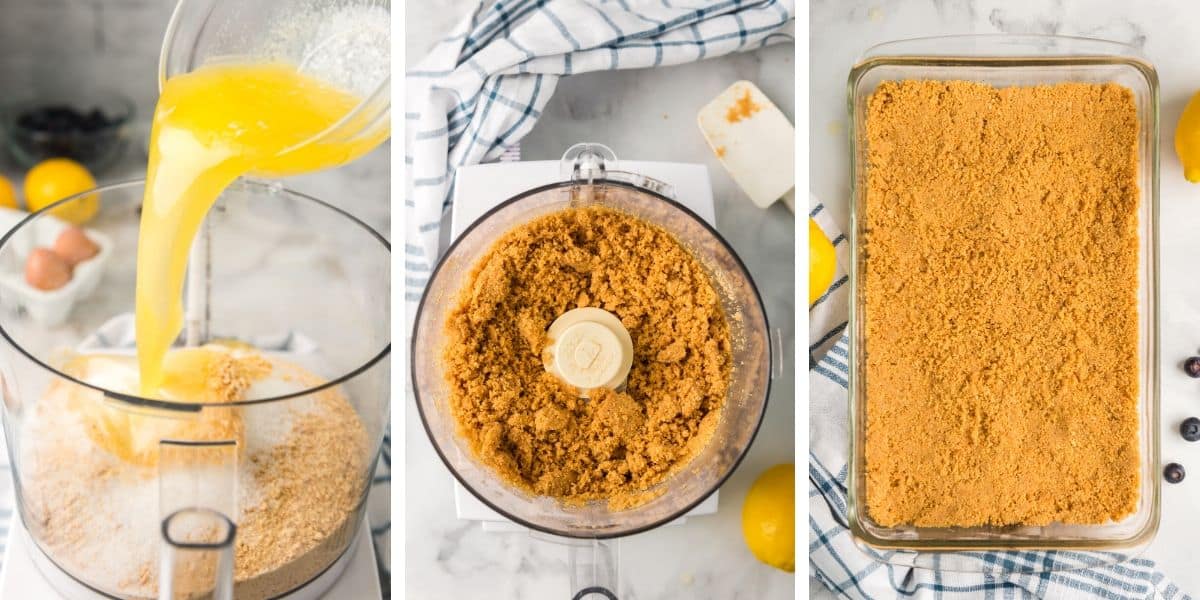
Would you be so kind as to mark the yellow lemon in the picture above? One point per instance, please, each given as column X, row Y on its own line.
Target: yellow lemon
column 54, row 179
column 822, row 262
column 1187, row 139
column 769, row 517
column 8, row 193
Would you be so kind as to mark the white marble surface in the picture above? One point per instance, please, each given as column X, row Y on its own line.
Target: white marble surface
column 645, row 115
column 1165, row 32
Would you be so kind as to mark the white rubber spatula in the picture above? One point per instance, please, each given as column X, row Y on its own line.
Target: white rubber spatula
column 754, row 141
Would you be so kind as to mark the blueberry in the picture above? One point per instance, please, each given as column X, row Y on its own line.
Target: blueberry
column 1192, row 366
column 1190, row 429
column 1173, row 473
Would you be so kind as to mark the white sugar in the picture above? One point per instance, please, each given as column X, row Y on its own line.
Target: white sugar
column 99, row 516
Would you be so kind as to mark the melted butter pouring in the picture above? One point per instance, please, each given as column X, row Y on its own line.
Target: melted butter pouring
column 211, row 126
column 207, row 374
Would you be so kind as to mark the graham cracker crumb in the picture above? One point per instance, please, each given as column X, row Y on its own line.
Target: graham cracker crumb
column 311, row 489
column 1000, row 289
column 229, row 377
column 533, row 429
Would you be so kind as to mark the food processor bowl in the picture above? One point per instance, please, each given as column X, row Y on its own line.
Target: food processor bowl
column 117, row 490
column 598, row 185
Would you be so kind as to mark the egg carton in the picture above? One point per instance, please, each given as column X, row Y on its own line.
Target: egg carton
column 47, row 307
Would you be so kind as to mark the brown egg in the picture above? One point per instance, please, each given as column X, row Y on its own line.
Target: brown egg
column 74, row 246
column 46, row 270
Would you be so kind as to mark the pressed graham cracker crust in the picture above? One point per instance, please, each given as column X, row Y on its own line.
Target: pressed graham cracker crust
column 533, row 429
column 1000, row 289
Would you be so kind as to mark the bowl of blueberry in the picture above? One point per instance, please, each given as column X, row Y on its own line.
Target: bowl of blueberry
column 91, row 130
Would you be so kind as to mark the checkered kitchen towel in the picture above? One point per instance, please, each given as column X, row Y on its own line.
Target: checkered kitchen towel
column 858, row 572
column 483, row 87
column 118, row 333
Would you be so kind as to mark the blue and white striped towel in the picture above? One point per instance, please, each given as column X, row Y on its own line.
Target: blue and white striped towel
column 118, row 333
column 483, row 87
column 855, row 572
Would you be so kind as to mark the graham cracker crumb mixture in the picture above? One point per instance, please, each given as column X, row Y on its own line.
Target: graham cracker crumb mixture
column 310, row 491
column 535, row 430
column 228, row 378
column 1001, row 304
column 301, row 469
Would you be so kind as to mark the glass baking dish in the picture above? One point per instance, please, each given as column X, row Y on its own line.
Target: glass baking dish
column 1003, row 60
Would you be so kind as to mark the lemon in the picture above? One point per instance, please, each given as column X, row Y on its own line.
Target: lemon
column 8, row 193
column 769, row 517
column 54, row 179
column 1187, row 139
column 822, row 262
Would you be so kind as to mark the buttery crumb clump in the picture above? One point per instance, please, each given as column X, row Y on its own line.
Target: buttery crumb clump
column 228, row 377
column 301, row 474
column 535, row 430
column 1000, row 290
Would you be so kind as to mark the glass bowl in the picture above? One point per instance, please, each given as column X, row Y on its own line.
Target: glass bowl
column 91, row 129
column 1003, row 60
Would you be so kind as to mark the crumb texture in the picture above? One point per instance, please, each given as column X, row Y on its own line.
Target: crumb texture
column 95, row 508
column 533, row 429
column 1000, row 290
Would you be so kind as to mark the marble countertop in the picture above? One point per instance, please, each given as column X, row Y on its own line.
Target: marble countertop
column 643, row 115
column 1164, row 32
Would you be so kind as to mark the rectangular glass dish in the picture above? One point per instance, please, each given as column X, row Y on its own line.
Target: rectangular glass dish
column 1004, row 61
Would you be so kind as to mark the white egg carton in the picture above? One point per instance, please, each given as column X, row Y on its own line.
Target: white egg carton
column 46, row 307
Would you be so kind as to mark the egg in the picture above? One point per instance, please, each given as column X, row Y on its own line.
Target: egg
column 46, row 270
column 74, row 246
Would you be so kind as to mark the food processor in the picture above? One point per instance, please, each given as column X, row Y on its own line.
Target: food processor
column 592, row 176
column 273, row 509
